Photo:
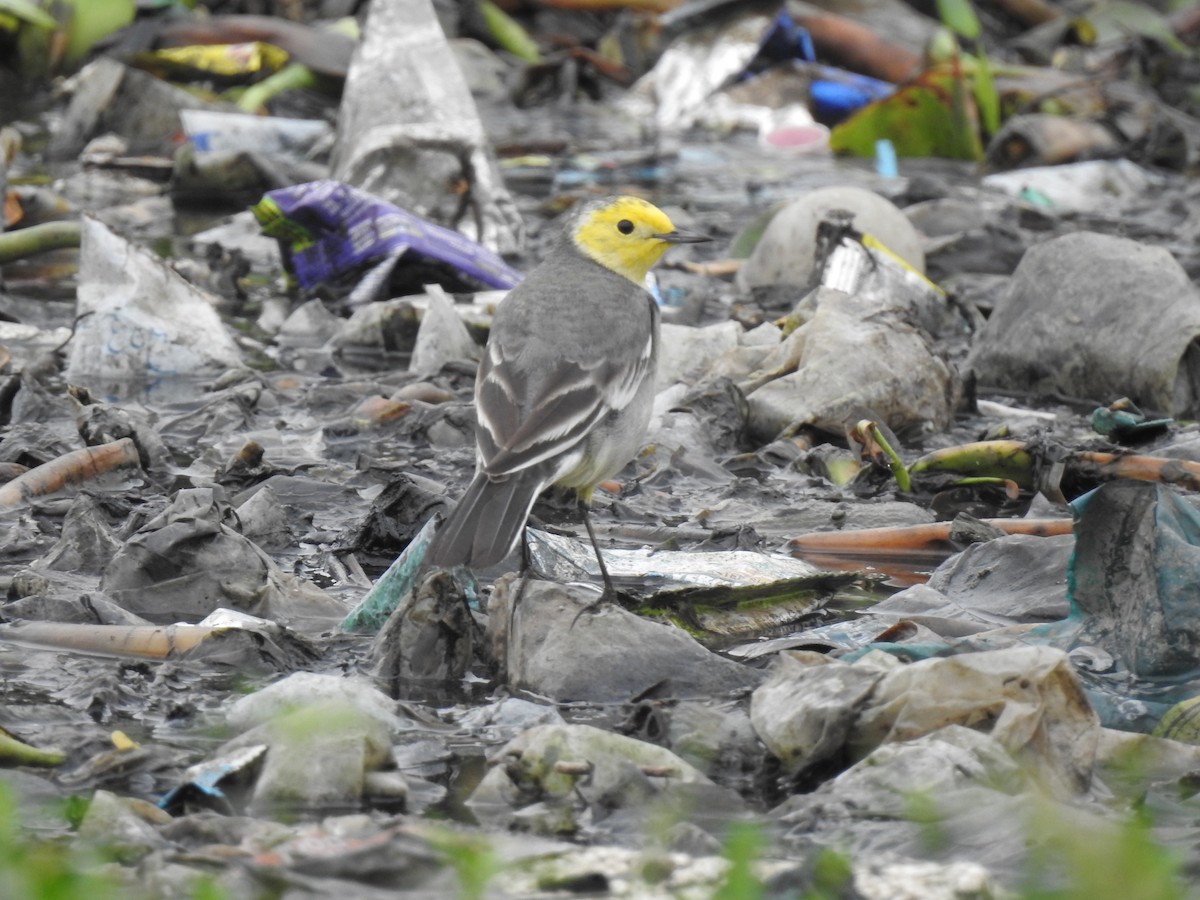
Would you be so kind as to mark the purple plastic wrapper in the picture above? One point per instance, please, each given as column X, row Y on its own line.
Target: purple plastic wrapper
column 328, row 229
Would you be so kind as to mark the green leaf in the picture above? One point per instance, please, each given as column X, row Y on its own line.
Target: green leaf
column 29, row 12
column 508, row 33
column 93, row 20
column 743, row 847
column 932, row 115
column 959, row 16
column 987, row 99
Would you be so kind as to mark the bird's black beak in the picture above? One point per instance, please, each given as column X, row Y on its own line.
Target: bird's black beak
column 683, row 237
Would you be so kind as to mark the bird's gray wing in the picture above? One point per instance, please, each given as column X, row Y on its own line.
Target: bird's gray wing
column 517, row 430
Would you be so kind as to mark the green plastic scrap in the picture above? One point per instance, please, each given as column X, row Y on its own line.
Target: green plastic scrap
column 1123, row 421
column 14, row 752
column 1035, row 198
column 275, row 224
column 508, row 34
column 1181, row 722
column 392, row 587
column 397, row 583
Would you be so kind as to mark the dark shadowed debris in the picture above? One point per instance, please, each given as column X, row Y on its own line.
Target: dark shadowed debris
column 1133, row 577
column 189, row 560
column 429, row 639
column 396, row 516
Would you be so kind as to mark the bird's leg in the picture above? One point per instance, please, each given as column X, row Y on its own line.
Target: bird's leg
column 526, row 568
column 610, row 592
column 512, row 607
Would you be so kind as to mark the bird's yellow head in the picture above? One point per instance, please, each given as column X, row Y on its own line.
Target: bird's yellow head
column 627, row 235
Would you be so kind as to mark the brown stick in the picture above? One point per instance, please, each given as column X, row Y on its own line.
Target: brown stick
column 146, row 641
column 658, row 6
column 1108, row 466
column 846, row 43
column 69, row 469
column 1028, row 12
column 905, row 539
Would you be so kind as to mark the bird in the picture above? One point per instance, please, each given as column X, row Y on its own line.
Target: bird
column 565, row 385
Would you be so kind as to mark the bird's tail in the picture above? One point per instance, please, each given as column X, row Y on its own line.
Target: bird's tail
column 485, row 525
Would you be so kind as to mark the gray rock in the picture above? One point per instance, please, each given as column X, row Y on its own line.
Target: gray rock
column 804, row 713
column 324, row 735
column 1099, row 317
column 603, row 655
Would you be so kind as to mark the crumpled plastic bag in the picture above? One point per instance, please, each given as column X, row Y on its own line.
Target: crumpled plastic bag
column 1027, row 698
column 189, row 560
column 851, row 354
column 1134, row 574
column 1133, row 632
column 138, row 320
column 561, row 778
column 408, row 129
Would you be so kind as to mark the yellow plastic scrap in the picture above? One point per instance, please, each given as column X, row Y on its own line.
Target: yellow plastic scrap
column 873, row 243
column 275, row 224
column 225, row 60
column 122, row 741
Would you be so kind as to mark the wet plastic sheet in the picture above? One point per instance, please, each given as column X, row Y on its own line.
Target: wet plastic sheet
column 139, row 320
column 1133, row 578
column 327, row 230
column 1133, row 634
column 189, row 560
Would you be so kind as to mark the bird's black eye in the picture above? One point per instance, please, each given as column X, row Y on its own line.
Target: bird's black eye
column 625, row 226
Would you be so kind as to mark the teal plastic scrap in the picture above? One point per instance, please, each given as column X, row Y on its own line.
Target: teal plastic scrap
column 1125, row 423
column 393, row 585
column 1133, row 577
